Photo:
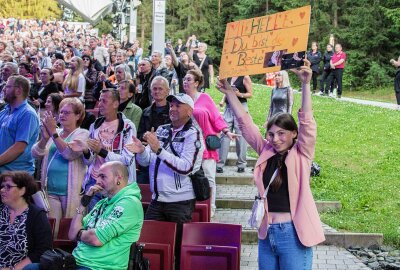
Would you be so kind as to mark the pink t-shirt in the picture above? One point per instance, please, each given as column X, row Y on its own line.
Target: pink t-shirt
column 107, row 132
column 337, row 56
column 210, row 121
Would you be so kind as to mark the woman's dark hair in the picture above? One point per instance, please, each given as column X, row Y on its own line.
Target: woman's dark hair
column 50, row 73
column 21, row 179
column 90, row 60
column 56, row 100
column 59, row 56
column 198, row 76
column 71, row 49
column 25, row 66
column 286, row 122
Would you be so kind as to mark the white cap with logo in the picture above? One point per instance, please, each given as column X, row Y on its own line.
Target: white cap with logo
column 182, row 98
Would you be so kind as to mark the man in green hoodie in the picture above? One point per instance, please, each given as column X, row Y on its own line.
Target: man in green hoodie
column 106, row 233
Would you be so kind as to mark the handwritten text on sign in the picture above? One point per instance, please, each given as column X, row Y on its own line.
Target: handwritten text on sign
column 248, row 43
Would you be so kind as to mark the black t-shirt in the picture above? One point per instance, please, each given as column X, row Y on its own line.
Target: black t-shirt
column 278, row 200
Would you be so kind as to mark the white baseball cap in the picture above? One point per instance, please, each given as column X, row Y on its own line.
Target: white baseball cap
column 182, row 98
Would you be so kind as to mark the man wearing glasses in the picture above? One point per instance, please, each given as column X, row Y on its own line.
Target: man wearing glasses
column 19, row 127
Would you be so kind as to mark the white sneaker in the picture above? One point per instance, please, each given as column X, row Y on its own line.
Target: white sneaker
column 330, row 94
column 320, row 93
column 398, row 107
column 212, row 212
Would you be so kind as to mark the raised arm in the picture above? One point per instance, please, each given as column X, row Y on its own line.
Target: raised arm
column 173, row 55
column 304, row 74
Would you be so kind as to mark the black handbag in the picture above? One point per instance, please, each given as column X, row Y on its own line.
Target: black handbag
column 201, row 186
column 136, row 259
column 57, row 259
column 213, row 142
column 315, row 169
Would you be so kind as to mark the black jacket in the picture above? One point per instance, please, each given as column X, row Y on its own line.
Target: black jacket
column 327, row 60
column 48, row 89
column 38, row 232
column 150, row 118
column 315, row 59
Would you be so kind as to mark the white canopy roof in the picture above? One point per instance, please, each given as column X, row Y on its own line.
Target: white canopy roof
column 90, row 10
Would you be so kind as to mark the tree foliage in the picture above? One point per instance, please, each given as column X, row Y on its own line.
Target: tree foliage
column 30, row 9
column 367, row 29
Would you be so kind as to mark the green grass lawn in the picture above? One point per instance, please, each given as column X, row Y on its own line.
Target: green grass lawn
column 359, row 153
column 384, row 94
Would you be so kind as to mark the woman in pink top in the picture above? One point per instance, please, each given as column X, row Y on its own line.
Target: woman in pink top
column 210, row 122
column 291, row 224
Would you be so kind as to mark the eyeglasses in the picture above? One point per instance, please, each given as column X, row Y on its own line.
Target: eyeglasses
column 85, row 59
column 7, row 187
column 66, row 112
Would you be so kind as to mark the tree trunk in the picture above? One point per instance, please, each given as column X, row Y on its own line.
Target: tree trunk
column 335, row 13
column 142, row 30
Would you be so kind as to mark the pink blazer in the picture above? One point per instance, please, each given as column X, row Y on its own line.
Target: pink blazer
column 298, row 162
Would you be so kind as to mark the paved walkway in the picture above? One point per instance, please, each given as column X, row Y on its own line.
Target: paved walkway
column 386, row 105
column 324, row 257
column 361, row 101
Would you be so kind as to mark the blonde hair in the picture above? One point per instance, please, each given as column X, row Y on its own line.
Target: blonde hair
column 285, row 78
column 72, row 79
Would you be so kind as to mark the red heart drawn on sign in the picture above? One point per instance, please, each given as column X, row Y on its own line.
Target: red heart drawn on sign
column 271, row 33
column 291, row 22
column 294, row 41
column 230, row 62
column 302, row 14
column 226, row 57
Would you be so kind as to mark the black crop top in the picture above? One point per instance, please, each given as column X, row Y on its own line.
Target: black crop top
column 278, row 201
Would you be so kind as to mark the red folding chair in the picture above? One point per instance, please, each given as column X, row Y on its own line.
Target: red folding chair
column 202, row 211
column 146, row 195
column 211, row 246
column 62, row 240
column 52, row 222
column 159, row 240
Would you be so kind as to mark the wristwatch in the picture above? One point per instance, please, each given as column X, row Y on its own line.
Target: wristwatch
column 55, row 135
column 159, row 151
column 242, row 96
column 79, row 235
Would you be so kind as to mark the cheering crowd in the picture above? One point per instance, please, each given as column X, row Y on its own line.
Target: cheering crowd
column 92, row 117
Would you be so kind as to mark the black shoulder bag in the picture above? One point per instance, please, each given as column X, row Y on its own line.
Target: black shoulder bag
column 136, row 259
column 57, row 259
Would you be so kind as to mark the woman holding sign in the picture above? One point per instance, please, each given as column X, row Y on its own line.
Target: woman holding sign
column 291, row 224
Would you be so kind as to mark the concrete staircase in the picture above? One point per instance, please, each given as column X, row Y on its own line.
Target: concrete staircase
column 235, row 196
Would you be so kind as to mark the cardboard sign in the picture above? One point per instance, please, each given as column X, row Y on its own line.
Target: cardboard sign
column 265, row 44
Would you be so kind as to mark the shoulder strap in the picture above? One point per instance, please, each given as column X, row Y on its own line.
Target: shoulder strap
column 202, row 62
column 270, row 182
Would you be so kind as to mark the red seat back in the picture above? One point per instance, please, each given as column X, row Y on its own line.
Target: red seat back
column 201, row 213
column 200, row 257
column 159, row 240
column 64, row 228
column 201, row 240
column 146, row 192
column 52, row 222
column 62, row 240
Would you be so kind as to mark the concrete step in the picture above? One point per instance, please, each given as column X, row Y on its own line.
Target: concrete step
column 333, row 237
column 232, row 147
column 242, row 197
column 230, row 176
column 232, row 158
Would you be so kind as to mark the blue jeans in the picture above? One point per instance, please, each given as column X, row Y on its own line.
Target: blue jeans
column 36, row 266
column 282, row 250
